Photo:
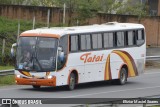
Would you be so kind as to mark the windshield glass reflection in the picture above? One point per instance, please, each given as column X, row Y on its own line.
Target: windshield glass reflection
column 36, row 53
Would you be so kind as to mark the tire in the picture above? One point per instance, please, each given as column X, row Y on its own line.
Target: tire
column 123, row 77
column 72, row 82
column 36, row 86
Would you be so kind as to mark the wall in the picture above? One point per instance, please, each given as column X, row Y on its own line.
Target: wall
column 27, row 13
column 152, row 24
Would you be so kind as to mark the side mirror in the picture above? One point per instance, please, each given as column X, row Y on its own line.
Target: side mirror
column 12, row 50
column 60, row 54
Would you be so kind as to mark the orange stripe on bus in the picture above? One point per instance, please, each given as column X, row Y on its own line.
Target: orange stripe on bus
column 132, row 70
column 34, row 81
column 25, row 73
column 108, row 74
column 41, row 35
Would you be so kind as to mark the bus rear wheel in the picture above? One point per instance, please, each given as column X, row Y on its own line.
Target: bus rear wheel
column 36, row 86
column 72, row 81
column 123, row 77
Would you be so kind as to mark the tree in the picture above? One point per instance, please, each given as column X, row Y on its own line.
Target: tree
column 5, row 2
column 80, row 10
column 47, row 3
column 86, row 9
column 137, row 9
column 109, row 6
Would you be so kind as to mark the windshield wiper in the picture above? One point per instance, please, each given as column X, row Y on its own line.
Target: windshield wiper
column 32, row 59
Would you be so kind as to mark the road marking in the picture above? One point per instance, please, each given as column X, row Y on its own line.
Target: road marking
column 153, row 73
column 110, row 92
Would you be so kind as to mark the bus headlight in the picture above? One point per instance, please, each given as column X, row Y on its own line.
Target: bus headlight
column 18, row 76
column 49, row 77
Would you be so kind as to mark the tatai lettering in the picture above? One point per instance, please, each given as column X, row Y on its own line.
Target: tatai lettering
column 87, row 57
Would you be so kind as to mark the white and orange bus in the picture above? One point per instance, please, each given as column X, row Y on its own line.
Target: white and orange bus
column 72, row 55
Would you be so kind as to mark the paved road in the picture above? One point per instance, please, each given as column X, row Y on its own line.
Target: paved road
column 153, row 51
column 145, row 85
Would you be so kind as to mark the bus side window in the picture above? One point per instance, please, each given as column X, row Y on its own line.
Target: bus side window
column 97, row 41
column 120, row 39
column 108, row 40
column 140, row 37
column 85, row 42
column 74, row 43
column 130, row 38
column 64, row 44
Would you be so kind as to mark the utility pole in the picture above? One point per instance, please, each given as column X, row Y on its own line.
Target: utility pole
column 18, row 32
column 3, row 46
column 158, row 34
column 33, row 22
column 64, row 13
column 141, row 2
column 48, row 18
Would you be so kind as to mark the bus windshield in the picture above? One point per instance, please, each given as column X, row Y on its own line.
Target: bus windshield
column 36, row 54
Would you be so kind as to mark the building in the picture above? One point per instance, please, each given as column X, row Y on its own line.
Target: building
column 153, row 7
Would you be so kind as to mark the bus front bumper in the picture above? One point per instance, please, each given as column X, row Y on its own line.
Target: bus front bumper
column 35, row 81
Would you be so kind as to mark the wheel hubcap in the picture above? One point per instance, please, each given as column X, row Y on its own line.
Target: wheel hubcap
column 72, row 82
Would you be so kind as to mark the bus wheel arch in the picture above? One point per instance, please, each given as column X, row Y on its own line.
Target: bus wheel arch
column 72, row 77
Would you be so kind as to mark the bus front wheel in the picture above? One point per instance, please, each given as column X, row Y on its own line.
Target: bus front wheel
column 36, row 86
column 123, row 77
column 72, row 81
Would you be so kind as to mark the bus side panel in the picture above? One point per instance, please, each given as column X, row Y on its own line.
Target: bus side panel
column 73, row 64
column 139, row 55
column 61, row 77
column 90, row 65
column 107, row 69
column 94, row 72
column 115, row 63
column 95, row 65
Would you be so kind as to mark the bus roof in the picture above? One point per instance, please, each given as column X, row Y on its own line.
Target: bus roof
column 60, row 31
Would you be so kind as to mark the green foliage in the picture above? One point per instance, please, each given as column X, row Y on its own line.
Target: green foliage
column 85, row 10
column 17, row 2
column 5, row 1
column 7, row 80
column 8, row 30
column 128, row 7
column 48, row 3
column 133, row 9
column 6, row 67
column 110, row 6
